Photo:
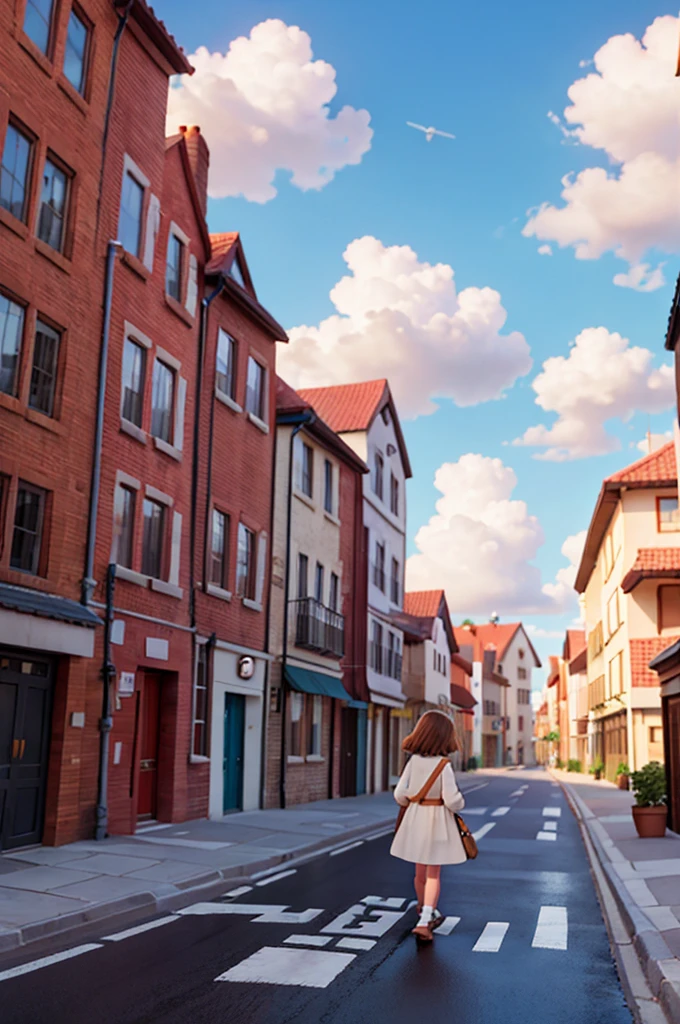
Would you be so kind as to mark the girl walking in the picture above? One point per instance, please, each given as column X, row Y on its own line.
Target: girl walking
column 428, row 835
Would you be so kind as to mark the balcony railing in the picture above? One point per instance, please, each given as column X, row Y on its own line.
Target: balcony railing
column 318, row 628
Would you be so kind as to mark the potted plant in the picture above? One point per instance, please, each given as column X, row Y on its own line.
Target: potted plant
column 622, row 775
column 650, row 812
column 597, row 768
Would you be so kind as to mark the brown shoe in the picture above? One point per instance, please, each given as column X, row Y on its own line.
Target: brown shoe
column 423, row 933
column 436, row 921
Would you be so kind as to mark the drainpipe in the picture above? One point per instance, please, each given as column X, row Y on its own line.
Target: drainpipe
column 267, row 626
column 89, row 582
column 106, row 721
column 297, row 422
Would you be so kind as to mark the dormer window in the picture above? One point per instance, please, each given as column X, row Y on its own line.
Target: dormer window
column 236, row 273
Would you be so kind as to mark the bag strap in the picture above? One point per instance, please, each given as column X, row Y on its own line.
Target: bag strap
column 430, row 782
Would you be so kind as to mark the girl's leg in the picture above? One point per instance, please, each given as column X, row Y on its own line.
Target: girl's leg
column 419, row 883
column 432, row 886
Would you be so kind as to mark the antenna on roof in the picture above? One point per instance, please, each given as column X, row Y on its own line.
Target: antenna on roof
column 494, row 618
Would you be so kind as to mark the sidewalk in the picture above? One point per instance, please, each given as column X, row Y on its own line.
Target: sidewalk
column 643, row 876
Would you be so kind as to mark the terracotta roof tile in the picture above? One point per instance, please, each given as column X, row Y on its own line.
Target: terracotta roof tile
column 481, row 637
column 221, row 244
column 641, row 653
column 652, row 563
column 348, row 407
column 423, row 604
column 657, row 468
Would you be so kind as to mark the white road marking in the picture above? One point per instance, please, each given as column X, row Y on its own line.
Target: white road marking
column 447, row 925
column 518, row 792
column 344, row 849
column 184, row 833
column 308, row 940
column 552, row 812
column 277, row 878
column 241, row 891
column 491, row 939
column 260, row 914
column 552, row 929
column 46, row 961
column 190, row 844
column 390, row 902
column 129, row 932
column 355, row 943
column 551, row 826
column 550, row 837
column 308, row 968
column 354, row 922
column 151, row 828
column 475, row 810
column 499, row 812
column 473, row 789
column 481, row 832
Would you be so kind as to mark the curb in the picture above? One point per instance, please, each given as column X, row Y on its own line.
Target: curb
column 648, row 969
column 206, row 885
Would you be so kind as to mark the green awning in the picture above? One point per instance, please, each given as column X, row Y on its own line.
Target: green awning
column 306, row 681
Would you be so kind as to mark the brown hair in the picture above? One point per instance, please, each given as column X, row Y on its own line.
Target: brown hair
column 433, row 736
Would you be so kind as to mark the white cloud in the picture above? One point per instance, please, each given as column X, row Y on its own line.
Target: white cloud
column 264, row 107
column 628, row 108
column 481, row 542
column 602, row 378
column 641, row 278
column 545, row 250
column 401, row 318
column 653, row 442
column 538, row 633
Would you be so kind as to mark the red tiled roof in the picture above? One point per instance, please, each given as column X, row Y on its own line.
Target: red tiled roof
column 652, row 563
column 554, row 670
column 221, row 244
column 657, row 468
column 423, row 603
column 462, row 663
column 641, row 653
column 225, row 248
column 461, row 697
column 348, row 407
column 499, row 636
column 289, row 401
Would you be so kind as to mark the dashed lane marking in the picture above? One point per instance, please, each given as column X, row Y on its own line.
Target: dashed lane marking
column 552, row 812
column 47, row 961
column 499, row 812
column 475, row 810
column 344, row 849
column 308, row 968
column 481, row 832
column 491, row 939
column 277, row 878
column 139, row 929
column 241, row 891
column 550, row 837
column 552, row 929
column 447, row 925
column 551, row 826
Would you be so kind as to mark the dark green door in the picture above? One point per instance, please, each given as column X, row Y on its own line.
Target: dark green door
column 232, row 761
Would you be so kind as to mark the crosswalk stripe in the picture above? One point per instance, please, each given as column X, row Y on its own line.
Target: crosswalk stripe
column 491, row 939
column 481, row 832
column 499, row 812
column 552, row 929
column 550, row 826
column 351, row 943
column 308, row 940
column 447, row 925
column 552, row 812
column 549, row 837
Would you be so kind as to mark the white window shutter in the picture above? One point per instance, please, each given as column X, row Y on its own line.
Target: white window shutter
column 153, row 223
column 261, row 567
column 180, row 406
column 192, row 286
column 175, row 548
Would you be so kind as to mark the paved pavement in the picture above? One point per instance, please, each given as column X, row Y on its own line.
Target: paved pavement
column 329, row 940
column 644, row 878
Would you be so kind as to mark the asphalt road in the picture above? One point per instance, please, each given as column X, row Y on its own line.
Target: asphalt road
column 526, row 941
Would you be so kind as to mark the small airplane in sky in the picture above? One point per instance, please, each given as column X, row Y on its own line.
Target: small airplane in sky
column 430, row 132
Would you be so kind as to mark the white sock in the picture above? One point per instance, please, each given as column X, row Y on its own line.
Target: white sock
column 426, row 915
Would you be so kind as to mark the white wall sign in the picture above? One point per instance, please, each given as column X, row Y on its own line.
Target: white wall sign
column 126, row 683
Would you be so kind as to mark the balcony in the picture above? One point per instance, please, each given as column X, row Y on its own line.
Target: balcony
column 318, row 628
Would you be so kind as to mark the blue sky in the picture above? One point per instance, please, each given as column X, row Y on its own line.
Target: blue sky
column 488, row 73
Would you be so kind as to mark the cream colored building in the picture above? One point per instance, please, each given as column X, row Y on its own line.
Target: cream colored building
column 629, row 578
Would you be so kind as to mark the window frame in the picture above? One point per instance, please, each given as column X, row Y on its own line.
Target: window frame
column 131, row 170
column 69, row 177
column 124, row 487
column 661, row 625
column 162, row 535
column 223, row 582
column 659, row 527
column 77, row 12
column 231, row 369
column 328, row 487
column 17, row 377
column 296, row 737
column 319, row 582
column 53, row 406
column 334, row 593
column 307, row 469
column 302, row 577
column 246, row 586
column 37, row 562
column 379, row 474
column 174, row 377
column 16, row 125
column 379, row 565
column 49, row 44
column 133, row 338
column 261, row 416
column 394, row 494
column 314, row 719
column 201, row 662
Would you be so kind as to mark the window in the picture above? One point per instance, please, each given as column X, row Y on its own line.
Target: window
column 38, row 23
column 378, row 470
column 521, row 653
column 28, row 527
column 134, row 359
column 669, row 607
column 608, row 555
column 328, row 486
column 124, row 525
column 521, row 673
column 245, row 563
column 53, row 203
column 44, row 373
column 379, row 568
column 15, row 172
column 434, row 659
column 613, row 618
column 173, row 267
column 219, row 549
column 394, row 494
column 390, row 654
column 225, row 377
column 655, row 734
column 303, row 570
column 520, row 723
column 130, row 220
column 394, row 586
column 162, row 395
column 255, row 389
column 297, row 704
column 152, row 543
column 616, row 675
column 668, row 515
column 318, row 583
column 11, row 331
column 75, row 57
column 376, row 647
column 333, row 597
column 200, row 736
column 315, row 721
column 307, row 480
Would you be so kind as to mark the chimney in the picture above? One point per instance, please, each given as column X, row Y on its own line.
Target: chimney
column 199, row 158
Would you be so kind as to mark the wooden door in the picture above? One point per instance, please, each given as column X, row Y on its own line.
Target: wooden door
column 147, row 801
column 348, row 752
column 25, row 706
column 232, row 762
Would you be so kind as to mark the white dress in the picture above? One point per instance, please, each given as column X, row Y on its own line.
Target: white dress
column 428, row 835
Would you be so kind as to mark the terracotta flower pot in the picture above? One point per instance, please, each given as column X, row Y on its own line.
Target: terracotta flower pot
column 650, row 822
column 622, row 781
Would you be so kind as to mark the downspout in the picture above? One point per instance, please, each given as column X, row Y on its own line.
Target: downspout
column 106, row 721
column 298, row 423
column 267, row 626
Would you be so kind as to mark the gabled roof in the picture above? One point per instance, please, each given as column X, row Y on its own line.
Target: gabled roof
column 225, row 248
column 655, row 470
column 152, row 26
column 652, row 563
column 352, row 408
column 461, row 662
column 288, row 402
column 425, row 606
column 498, row 635
column 574, row 643
column 179, row 141
column 554, row 673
